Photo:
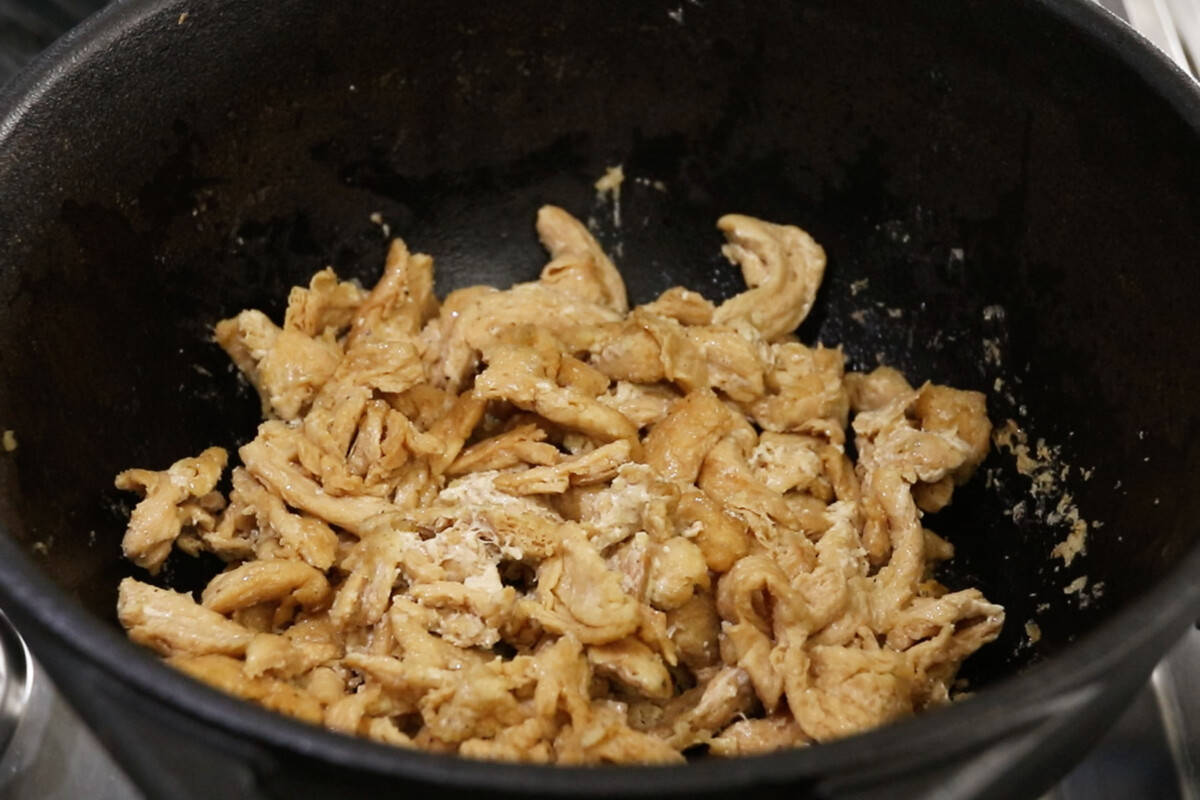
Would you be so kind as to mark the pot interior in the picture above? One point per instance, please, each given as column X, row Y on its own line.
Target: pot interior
column 1005, row 208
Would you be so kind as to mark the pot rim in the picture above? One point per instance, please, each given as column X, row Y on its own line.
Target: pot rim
column 1009, row 706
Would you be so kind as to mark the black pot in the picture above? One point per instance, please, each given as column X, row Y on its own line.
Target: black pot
column 1018, row 180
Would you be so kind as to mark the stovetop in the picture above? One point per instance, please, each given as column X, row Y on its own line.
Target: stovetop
column 1154, row 749
column 1152, row 752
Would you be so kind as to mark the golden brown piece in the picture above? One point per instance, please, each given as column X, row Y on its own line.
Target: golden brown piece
column 171, row 622
column 748, row 737
column 269, row 458
column 180, row 496
column 270, row 580
column 534, row 525
column 471, row 322
column 401, row 302
column 783, row 267
column 722, row 537
column 524, row 373
column 682, row 305
column 634, row 664
column 281, row 533
column 578, row 593
column 676, row 447
column 734, row 355
column 643, row 405
column 228, row 675
column 646, row 348
column 284, row 365
column 522, row 445
column 805, row 391
column 595, row 466
column 326, row 305
column 578, row 264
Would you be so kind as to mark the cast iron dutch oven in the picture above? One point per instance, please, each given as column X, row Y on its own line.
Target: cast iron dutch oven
column 1008, row 190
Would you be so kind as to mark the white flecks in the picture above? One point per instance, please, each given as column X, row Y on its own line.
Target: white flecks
column 859, row 286
column 991, row 352
column 1051, row 502
column 377, row 220
column 656, row 185
column 894, row 230
column 676, row 15
column 1092, row 595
